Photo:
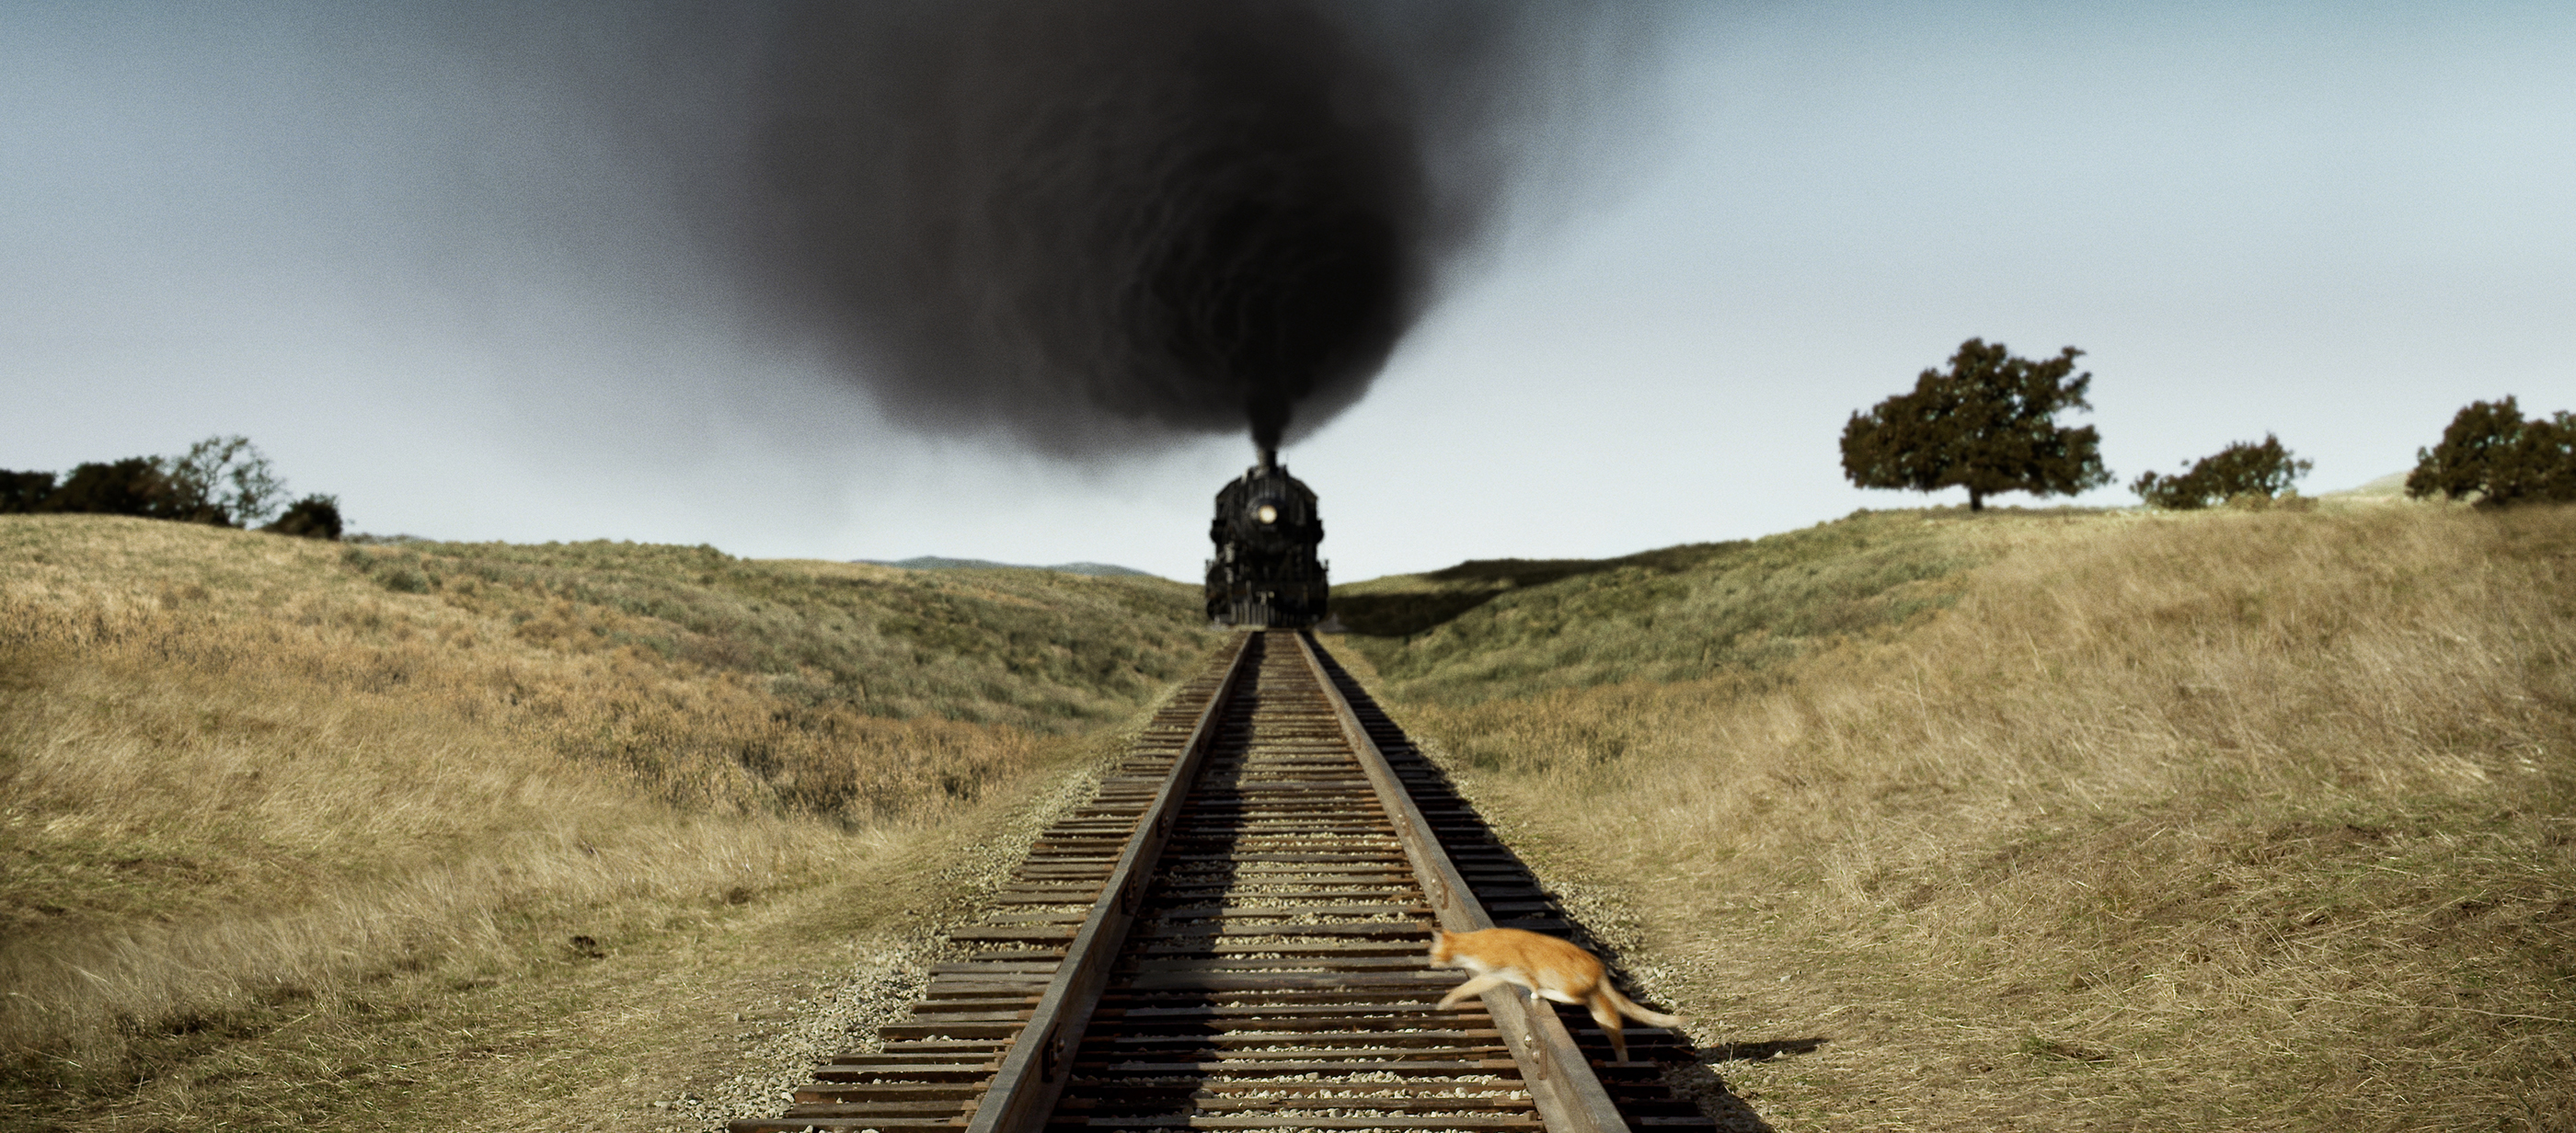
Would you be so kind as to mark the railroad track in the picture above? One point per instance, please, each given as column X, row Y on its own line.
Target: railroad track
column 1231, row 936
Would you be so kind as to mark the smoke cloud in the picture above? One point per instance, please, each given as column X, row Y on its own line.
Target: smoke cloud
column 1102, row 225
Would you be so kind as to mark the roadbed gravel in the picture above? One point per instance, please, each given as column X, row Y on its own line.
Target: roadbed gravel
column 786, row 1038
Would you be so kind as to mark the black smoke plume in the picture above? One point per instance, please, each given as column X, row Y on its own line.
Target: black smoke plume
column 1098, row 225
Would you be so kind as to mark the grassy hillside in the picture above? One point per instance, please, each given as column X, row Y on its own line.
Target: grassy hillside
column 281, row 819
column 1034, row 648
column 2216, row 821
column 1513, row 627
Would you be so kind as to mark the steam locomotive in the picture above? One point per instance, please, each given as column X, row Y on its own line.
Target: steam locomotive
column 1265, row 572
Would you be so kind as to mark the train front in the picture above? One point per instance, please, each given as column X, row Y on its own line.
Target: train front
column 1266, row 573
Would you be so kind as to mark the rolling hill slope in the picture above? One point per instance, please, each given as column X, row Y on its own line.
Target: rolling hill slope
column 268, row 805
column 1509, row 627
column 2043, row 820
column 2214, row 821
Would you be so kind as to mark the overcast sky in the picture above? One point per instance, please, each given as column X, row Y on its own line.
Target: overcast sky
column 2336, row 222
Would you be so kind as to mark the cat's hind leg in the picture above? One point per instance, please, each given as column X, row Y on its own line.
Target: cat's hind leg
column 1606, row 1013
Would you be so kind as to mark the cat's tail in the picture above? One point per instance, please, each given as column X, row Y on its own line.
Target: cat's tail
column 1635, row 1012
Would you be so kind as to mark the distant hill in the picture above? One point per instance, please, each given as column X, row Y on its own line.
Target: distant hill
column 2391, row 486
column 935, row 562
column 1506, row 627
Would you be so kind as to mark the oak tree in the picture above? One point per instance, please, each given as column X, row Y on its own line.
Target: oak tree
column 1988, row 425
column 2492, row 454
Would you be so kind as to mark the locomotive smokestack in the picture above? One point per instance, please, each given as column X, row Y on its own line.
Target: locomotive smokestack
column 1269, row 459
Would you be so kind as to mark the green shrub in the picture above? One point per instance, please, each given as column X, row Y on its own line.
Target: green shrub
column 135, row 485
column 313, row 517
column 23, row 492
column 2241, row 470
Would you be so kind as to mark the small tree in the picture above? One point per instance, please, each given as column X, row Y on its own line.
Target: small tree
column 1989, row 425
column 313, row 517
column 2491, row 453
column 224, row 480
column 2241, row 469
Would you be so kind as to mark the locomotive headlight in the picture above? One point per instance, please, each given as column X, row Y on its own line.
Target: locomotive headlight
column 1267, row 514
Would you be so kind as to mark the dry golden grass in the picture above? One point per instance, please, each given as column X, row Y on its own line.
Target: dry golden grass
column 255, row 789
column 2215, row 821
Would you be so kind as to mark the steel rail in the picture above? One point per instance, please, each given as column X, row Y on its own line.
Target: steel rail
column 1570, row 1097
column 1033, row 1074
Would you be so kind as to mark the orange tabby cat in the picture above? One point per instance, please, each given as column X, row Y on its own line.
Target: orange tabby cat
column 1543, row 964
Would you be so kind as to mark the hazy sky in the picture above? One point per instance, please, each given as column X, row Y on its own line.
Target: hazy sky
column 389, row 259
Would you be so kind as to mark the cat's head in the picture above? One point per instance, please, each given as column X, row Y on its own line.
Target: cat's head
column 1439, row 947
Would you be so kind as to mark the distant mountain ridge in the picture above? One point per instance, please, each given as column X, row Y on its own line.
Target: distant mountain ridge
column 2391, row 485
column 935, row 562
